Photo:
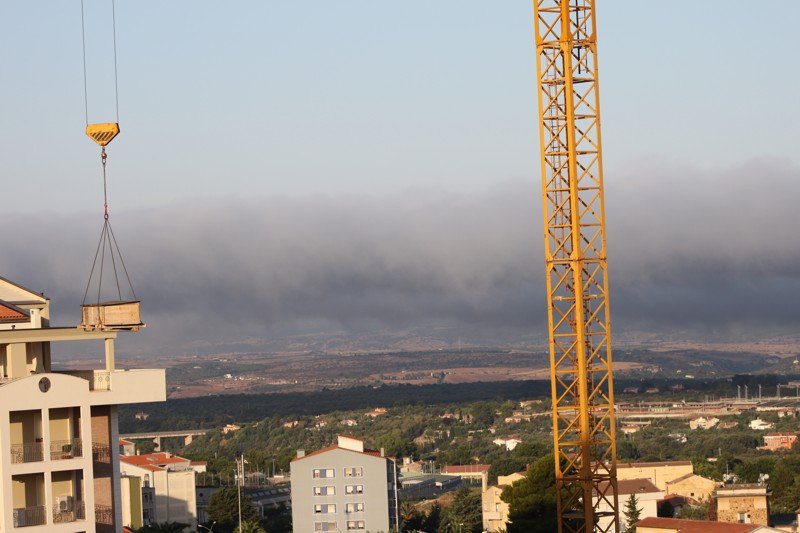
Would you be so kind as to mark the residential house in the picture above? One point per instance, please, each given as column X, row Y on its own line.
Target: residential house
column 494, row 509
column 172, row 478
column 692, row 486
column 344, row 487
column 703, row 422
column 761, row 425
column 510, row 443
column 779, row 441
column 743, row 503
column 659, row 473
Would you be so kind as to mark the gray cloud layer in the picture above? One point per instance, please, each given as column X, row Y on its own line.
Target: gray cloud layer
column 714, row 252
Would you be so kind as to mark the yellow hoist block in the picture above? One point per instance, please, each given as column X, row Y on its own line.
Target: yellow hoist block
column 102, row 134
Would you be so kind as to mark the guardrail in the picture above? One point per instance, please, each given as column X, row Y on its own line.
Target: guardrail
column 103, row 514
column 63, row 514
column 65, row 449
column 28, row 452
column 101, row 453
column 29, row 516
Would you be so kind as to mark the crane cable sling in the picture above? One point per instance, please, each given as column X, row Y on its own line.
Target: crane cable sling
column 107, row 237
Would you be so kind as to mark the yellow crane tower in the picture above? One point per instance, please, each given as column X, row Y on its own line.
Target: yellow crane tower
column 577, row 278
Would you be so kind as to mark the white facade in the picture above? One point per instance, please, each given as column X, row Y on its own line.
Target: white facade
column 58, row 468
column 344, row 488
column 173, row 481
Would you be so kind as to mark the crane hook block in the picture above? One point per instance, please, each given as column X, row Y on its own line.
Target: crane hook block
column 102, row 134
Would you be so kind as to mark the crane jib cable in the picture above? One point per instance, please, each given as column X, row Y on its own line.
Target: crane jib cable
column 102, row 134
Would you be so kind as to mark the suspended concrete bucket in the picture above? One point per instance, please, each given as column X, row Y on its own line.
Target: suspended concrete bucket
column 112, row 316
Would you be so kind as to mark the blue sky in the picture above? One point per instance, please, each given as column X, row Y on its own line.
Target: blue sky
column 235, row 99
column 315, row 166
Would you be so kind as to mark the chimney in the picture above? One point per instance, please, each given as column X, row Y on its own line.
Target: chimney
column 383, row 453
column 301, row 453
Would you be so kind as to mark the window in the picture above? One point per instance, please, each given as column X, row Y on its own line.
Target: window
column 324, row 491
column 355, row 471
column 324, row 472
column 356, row 525
column 742, row 518
column 325, row 526
column 354, row 489
column 325, row 508
column 355, row 507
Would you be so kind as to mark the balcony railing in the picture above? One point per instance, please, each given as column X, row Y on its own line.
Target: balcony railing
column 29, row 452
column 65, row 449
column 30, row 516
column 103, row 514
column 101, row 453
column 69, row 512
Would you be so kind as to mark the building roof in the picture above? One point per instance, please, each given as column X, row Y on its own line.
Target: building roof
column 687, row 476
column 12, row 313
column 374, row 453
column 654, row 464
column 695, row 526
column 465, row 469
column 781, row 434
column 632, row 486
column 153, row 461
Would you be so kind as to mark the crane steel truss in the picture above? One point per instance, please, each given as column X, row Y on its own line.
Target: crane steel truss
column 577, row 278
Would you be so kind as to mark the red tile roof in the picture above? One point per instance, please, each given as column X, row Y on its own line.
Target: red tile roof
column 12, row 313
column 695, row 526
column 374, row 453
column 152, row 461
column 631, row 486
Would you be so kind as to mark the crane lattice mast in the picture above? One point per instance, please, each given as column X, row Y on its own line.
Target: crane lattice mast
column 577, row 277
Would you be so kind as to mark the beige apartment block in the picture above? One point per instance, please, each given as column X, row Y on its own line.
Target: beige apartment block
column 692, row 486
column 494, row 509
column 344, row 487
column 743, row 503
column 172, row 480
column 59, row 471
column 659, row 473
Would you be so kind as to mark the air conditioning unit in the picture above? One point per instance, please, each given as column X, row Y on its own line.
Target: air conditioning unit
column 65, row 504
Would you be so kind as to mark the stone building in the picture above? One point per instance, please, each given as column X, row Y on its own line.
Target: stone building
column 743, row 503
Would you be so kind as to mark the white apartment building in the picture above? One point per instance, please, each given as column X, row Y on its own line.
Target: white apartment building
column 344, row 487
column 59, row 459
column 647, row 496
column 172, row 479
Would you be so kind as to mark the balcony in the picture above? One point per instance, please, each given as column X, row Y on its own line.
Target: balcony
column 69, row 510
column 66, row 449
column 104, row 515
column 29, row 452
column 115, row 387
column 30, row 516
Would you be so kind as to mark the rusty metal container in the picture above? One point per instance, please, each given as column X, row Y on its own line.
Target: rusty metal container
column 112, row 316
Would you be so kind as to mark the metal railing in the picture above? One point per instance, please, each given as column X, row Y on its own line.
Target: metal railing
column 104, row 514
column 65, row 513
column 65, row 449
column 28, row 452
column 30, row 516
column 101, row 453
